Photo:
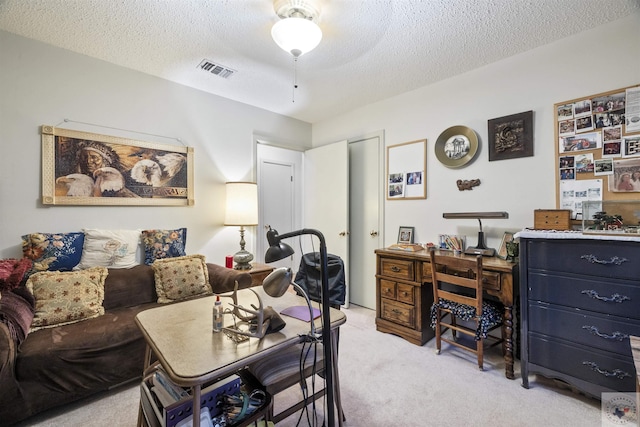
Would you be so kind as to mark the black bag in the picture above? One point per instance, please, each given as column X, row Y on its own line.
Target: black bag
column 308, row 277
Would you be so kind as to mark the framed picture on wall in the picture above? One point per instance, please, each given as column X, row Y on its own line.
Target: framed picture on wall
column 405, row 235
column 511, row 136
column 407, row 170
column 82, row 168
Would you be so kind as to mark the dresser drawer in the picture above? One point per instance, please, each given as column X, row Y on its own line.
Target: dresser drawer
column 589, row 293
column 398, row 268
column 605, row 259
column 405, row 293
column 606, row 370
column 398, row 313
column 607, row 333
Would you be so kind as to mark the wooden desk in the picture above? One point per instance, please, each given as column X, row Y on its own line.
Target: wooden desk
column 404, row 295
column 180, row 335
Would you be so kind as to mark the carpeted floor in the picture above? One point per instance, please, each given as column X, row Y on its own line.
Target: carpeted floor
column 386, row 381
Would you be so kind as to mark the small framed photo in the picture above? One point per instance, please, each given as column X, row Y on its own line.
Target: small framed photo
column 405, row 235
column 506, row 238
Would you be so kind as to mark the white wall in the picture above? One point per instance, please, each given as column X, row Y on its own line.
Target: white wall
column 599, row 60
column 40, row 84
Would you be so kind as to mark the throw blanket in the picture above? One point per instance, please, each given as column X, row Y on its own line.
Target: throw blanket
column 16, row 311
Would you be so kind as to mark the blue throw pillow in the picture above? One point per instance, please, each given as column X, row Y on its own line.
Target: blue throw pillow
column 159, row 244
column 53, row 251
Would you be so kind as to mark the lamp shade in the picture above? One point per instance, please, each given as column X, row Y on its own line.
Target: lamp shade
column 296, row 35
column 242, row 203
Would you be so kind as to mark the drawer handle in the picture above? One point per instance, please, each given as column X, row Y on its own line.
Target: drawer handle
column 404, row 294
column 594, row 260
column 618, row 336
column 615, row 373
column 614, row 298
column 395, row 269
column 396, row 311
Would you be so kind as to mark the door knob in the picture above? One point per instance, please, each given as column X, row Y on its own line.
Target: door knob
column 373, row 233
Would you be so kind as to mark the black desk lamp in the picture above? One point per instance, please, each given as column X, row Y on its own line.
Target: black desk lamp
column 480, row 248
column 277, row 251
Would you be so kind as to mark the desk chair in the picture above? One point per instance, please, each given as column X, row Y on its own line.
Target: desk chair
column 457, row 295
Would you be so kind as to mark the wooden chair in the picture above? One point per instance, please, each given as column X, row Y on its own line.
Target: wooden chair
column 459, row 306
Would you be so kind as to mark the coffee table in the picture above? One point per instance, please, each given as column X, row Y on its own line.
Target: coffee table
column 180, row 336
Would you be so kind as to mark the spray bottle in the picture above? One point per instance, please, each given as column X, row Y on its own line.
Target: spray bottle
column 217, row 315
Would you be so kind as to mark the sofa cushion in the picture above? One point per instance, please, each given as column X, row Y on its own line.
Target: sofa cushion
column 128, row 287
column 181, row 277
column 160, row 244
column 109, row 248
column 65, row 363
column 53, row 251
column 67, row 297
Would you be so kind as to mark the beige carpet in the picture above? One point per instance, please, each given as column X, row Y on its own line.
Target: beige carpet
column 386, row 381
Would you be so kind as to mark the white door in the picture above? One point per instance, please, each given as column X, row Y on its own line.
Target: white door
column 326, row 199
column 365, row 225
column 279, row 199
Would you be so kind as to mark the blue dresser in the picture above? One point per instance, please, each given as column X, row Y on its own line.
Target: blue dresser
column 580, row 302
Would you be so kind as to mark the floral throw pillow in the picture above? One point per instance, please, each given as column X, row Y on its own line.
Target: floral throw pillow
column 67, row 297
column 53, row 251
column 109, row 248
column 180, row 278
column 160, row 244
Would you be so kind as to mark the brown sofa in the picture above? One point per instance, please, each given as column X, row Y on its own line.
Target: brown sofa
column 58, row 365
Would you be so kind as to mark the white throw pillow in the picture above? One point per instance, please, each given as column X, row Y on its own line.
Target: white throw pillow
column 109, row 248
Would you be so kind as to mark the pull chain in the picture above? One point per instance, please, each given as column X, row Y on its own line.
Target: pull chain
column 295, row 79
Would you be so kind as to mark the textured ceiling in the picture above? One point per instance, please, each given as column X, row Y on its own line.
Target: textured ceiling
column 371, row 49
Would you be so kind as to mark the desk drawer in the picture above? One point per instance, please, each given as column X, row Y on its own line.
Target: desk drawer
column 606, row 370
column 397, row 268
column 606, row 259
column 387, row 289
column 398, row 313
column 607, row 333
column 490, row 279
column 405, row 293
column 594, row 294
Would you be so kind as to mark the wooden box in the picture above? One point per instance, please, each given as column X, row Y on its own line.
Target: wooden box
column 552, row 219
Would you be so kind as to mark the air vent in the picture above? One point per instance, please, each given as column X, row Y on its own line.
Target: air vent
column 216, row 69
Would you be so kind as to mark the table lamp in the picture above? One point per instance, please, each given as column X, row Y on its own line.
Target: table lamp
column 279, row 250
column 242, row 209
column 480, row 248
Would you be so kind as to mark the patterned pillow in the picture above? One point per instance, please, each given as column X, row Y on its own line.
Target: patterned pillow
column 53, row 251
column 159, row 244
column 181, row 277
column 67, row 297
column 109, row 248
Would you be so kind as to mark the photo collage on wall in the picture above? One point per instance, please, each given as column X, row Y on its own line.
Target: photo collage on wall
column 607, row 126
column 598, row 138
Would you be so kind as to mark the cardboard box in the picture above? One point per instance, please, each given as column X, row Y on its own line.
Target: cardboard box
column 552, row 219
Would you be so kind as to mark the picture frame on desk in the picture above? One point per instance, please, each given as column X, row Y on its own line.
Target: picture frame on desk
column 405, row 235
column 507, row 237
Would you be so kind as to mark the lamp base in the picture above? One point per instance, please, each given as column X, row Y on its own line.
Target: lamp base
column 242, row 259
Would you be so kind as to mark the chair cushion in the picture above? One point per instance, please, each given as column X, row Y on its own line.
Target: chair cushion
column 490, row 318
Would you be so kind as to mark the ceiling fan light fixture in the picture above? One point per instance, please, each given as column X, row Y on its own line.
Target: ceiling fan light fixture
column 296, row 36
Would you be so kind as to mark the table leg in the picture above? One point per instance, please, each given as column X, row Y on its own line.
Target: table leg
column 196, row 405
column 507, row 333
